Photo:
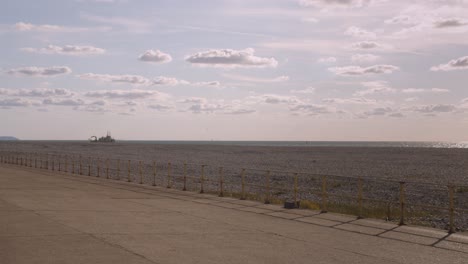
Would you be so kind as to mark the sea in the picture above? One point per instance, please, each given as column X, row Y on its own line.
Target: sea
column 398, row 144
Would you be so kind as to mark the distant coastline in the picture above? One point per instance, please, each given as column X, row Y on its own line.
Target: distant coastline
column 8, row 138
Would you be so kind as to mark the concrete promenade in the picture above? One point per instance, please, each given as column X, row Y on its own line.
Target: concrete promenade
column 52, row 217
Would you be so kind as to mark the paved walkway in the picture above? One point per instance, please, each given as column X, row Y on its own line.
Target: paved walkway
column 51, row 217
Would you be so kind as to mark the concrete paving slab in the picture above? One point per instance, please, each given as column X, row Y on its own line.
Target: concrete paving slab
column 458, row 237
column 205, row 201
column 65, row 249
column 453, row 246
column 303, row 212
column 375, row 223
column 21, row 223
column 283, row 215
column 6, row 206
column 318, row 221
column 246, row 202
column 228, row 248
column 255, row 210
column 272, row 207
column 422, row 231
column 229, row 205
column 410, row 238
column 337, row 217
column 360, row 229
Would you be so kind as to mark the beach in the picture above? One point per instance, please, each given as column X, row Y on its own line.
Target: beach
column 427, row 171
column 433, row 165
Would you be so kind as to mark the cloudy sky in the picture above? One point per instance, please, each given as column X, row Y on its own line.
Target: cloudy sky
column 234, row 69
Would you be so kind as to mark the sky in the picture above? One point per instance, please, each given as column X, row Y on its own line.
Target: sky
column 345, row 70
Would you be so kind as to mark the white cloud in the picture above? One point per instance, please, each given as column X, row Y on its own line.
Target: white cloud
column 311, row 109
column 13, row 102
column 241, row 111
column 374, row 87
column 63, row 102
column 245, row 78
column 358, row 70
column 156, row 56
column 132, row 79
column 366, row 45
column 353, row 100
column 411, row 99
column 440, row 90
column 420, row 90
column 67, row 50
column 364, row 58
column 334, row 3
column 310, row 90
column 40, row 71
column 450, row 22
column 434, row 108
column 125, row 94
column 209, row 84
column 327, row 60
column 359, row 33
column 413, row 90
column 228, row 58
column 277, row 99
column 194, row 100
column 39, row 92
column 205, row 108
column 379, row 111
column 162, row 80
column 456, row 64
column 160, row 107
column 28, row 27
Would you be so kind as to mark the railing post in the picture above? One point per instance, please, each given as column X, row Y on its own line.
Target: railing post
column 129, row 171
column 243, row 184
column 202, row 179
column 73, row 165
column 98, row 165
column 221, row 182
column 53, row 163
column 402, row 203
column 169, row 167
column 154, row 173
column 59, row 163
column 324, row 195
column 451, row 209
column 360, row 198
column 47, row 162
column 185, row 177
column 66, row 163
column 296, row 202
column 118, row 169
column 141, row 173
column 267, row 187
column 35, row 161
column 81, row 167
column 107, row 168
column 89, row 166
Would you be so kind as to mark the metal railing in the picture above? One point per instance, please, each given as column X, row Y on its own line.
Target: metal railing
column 399, row 201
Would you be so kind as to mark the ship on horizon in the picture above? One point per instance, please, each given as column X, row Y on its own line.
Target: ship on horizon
column 107, row 139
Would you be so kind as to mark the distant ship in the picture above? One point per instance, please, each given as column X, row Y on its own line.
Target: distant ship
column 106, row 139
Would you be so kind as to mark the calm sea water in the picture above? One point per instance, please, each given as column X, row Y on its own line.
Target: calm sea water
column 399, row 144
